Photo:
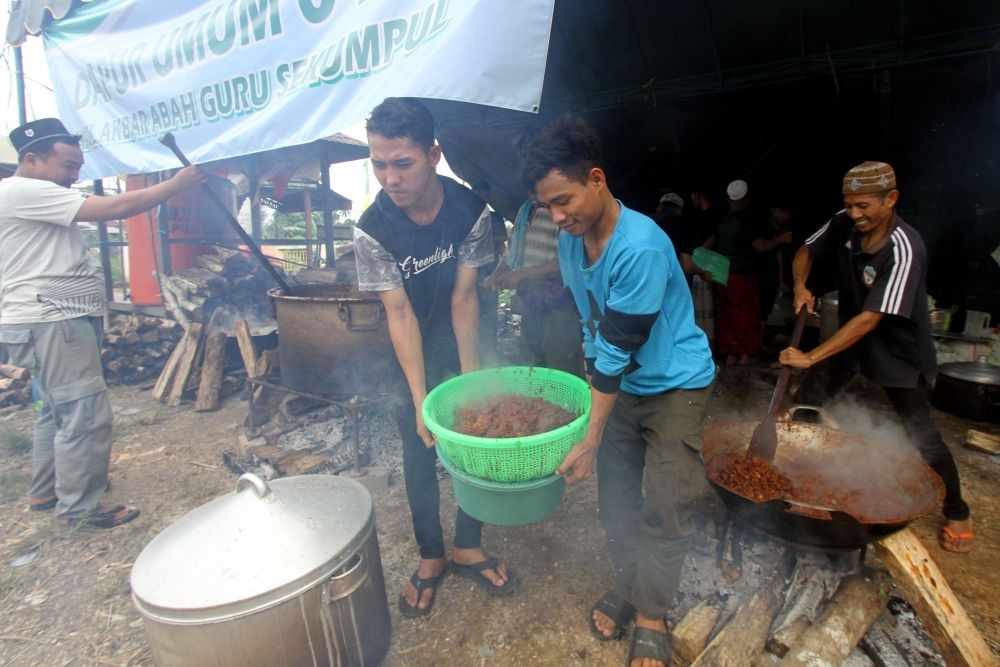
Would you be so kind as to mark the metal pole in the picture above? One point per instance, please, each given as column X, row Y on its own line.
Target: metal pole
column 102, row 233
column 22, row 113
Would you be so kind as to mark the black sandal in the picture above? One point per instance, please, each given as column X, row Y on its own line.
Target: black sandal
column 421, row 585
column 618, row 609
column 116, row 516
column 475, row 572
column 649, row 643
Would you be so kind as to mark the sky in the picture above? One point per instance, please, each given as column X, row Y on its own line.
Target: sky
column 354, row 180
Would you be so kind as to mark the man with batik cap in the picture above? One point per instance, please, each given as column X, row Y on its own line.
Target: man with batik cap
column 52, row 299
column 885, row 328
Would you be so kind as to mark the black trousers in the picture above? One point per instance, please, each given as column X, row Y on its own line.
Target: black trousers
column 912, row 406
column 420, row 473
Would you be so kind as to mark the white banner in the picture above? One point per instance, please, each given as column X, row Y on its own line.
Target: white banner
column 232, row 77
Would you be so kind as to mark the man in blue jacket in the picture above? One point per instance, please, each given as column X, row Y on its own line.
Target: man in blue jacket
column 651, row 372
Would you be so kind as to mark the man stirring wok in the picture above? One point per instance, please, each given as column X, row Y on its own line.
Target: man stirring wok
column 884, row 323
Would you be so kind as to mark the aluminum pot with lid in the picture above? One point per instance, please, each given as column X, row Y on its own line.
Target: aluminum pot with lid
column 279, row 573
column 969, row 389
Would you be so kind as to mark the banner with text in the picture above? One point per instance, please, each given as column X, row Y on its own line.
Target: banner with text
column 233, row 77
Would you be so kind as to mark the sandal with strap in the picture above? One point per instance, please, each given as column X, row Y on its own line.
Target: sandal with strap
column 42, row 504
column 618, row 609
column 421, row 585
column 475, row 572
column 652, row 644
column 116, row 516
column 954, row 541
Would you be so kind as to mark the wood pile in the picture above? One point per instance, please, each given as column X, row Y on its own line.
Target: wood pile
column 15, row 388
column 196, row 369
column 227, row 287
column 136, row 347
column 796, row 618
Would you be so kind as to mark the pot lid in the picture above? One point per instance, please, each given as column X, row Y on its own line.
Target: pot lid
column 979, row 371
column 254, row 547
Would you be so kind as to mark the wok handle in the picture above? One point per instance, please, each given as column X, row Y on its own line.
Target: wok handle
column 826, row 419
column 170, row 142
column 808, row 512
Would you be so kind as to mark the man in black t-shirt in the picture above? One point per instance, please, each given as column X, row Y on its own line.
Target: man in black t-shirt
column 884, row 323
column 420, row 245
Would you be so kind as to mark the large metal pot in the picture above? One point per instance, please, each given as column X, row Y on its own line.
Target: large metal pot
column 887, row 485
column 286, row 573
column 969, row 389
column 333, row 340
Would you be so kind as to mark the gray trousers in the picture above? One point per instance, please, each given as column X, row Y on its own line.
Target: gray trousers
column 72, row 440
column 649, row 476
column 552, row 339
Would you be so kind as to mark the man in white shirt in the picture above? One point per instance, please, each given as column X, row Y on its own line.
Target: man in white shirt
column 52, row 301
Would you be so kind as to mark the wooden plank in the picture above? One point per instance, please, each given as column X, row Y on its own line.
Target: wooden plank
column 925, row 588
column 191, row 344
column 853, row 608
column 742, row 639
column 693, row 632
column 166, row 379
column 247, row 349
column 211, row 372
column 981, row 441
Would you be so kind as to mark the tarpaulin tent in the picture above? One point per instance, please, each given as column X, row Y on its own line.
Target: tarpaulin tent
column 785, row 93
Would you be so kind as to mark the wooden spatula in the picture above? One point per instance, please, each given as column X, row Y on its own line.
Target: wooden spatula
column 764, row 440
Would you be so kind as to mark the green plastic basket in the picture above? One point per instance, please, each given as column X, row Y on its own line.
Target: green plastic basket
column 508, row 459
column 504, row 504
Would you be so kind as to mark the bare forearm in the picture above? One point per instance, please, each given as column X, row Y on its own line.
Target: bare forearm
column 99, row 209
column 465, row 322
column 853, row 330
column 404, row 332
column 601, row 405
column 801, row 266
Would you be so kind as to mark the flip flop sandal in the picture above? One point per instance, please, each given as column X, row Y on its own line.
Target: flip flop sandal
column 421, row 585
column 618, row 609
column 42, row 504
column 118, row 515
column 652, row 644
column 955, row 542
column 475, row 572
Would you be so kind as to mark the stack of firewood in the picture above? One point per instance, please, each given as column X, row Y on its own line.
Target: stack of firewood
column 800, row 618
column 15, row 388
column 136, row 347
column 225, row 287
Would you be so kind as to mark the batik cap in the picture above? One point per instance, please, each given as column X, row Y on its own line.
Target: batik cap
column 29, row 134
column 869, row 178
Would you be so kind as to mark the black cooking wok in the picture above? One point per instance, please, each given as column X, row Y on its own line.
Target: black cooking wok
column 850, row 490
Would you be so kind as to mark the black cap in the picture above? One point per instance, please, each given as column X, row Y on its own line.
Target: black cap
column 31, row 133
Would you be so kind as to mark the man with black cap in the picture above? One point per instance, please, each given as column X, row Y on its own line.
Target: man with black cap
column 52, row 301
column 884, row 323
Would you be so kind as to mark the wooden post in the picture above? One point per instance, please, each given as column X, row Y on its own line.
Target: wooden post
column 853, row 608
column 324, row 179
column 247, row 349
column 308, row 212
column 191, row 344
column 925, row 588
column 211, row 372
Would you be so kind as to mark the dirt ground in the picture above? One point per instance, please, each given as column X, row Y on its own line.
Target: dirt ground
column 71, row 605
